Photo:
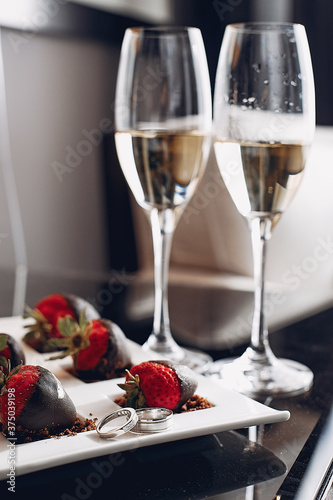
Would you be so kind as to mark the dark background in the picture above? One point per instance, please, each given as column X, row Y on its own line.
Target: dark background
column 316, row 16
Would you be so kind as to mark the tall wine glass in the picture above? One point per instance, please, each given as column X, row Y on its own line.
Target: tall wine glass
column 264, row 119
column 163, row 134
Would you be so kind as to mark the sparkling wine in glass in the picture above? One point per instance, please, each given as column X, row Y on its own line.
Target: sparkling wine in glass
column 163, row 135
column 264, row 121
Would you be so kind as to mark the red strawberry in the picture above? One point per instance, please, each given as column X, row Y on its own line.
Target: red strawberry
column 32, row 398
column 98, row 347
column 11, row 350
column 159, row 384
column 46, row 314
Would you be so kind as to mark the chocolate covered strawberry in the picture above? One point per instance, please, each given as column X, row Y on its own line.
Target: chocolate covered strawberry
column 98, row 347
column 10, row 350
column 31, row 399
column 46, row 314
column 159, row 384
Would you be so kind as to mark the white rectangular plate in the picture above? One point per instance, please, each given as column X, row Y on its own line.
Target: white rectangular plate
column 231, row 411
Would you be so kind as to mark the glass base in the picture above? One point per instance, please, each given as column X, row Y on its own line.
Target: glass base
column 170, row 350
column 256, row 378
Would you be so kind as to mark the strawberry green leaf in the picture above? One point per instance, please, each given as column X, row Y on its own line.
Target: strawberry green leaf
column 141, row 400
column 83, row 323
column 67, row 326
column 15, row 370
column 40, row 320
column 135, row 399
column 75, row 338
column 64, row 354
column 4, row 377
column 126, row 387
column 3, row 342
column 4, row 364
column 134, row 395
column 2, row 384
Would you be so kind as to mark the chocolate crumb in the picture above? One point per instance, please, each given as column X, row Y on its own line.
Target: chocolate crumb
column 196, row 403
column 27, row 436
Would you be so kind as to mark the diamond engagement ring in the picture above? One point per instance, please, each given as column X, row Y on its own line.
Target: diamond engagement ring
column 132, row 419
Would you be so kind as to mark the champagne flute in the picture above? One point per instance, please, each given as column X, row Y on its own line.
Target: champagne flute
column 264, row 119
column 163, row 122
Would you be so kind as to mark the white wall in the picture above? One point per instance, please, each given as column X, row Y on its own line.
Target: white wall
column 56, row 89
column 146, row 10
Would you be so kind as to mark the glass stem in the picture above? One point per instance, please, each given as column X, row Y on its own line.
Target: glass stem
column 260, row 233
column 163, row 226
